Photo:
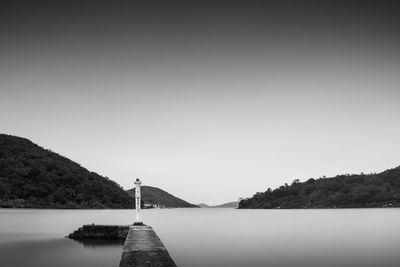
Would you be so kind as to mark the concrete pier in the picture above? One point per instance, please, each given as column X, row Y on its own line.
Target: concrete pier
column 143, row 248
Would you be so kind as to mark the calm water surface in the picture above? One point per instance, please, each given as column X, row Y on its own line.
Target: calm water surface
column 210, row 237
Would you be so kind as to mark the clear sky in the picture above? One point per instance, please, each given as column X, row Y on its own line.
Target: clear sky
column 208, row 100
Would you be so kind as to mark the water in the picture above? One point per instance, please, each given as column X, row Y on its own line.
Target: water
column 210, row 237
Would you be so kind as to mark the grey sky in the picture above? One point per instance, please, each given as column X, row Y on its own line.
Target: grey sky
column 210, row 103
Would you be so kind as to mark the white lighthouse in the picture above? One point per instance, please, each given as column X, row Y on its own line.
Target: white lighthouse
column 138, row 220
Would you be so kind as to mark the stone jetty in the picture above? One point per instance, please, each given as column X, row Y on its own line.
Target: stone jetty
column 143, row 248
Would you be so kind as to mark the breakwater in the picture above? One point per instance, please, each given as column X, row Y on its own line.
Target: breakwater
column 93, row 231
column 142, row 247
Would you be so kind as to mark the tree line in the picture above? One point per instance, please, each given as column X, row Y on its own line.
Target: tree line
column 343, row 191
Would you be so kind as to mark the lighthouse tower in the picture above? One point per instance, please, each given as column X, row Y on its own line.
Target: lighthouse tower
column 138, row 219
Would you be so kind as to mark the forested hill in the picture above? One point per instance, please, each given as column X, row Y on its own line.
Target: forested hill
column 342, row 191
column 160, row 197
column 33, row 177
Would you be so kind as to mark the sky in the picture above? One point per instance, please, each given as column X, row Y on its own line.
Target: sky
column 208, row 100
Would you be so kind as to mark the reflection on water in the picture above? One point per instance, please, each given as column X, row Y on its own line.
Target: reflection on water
column 91, row 243
column 58, row 252
column 210, row 237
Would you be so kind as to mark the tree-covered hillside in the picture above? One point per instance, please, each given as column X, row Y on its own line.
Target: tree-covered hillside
column 342, row 191
column 157, row 196
column 33, row 177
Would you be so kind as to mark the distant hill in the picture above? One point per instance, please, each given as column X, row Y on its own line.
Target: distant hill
column 342, row 191
column 33, row 177
column 233, row 204
column 158, row 196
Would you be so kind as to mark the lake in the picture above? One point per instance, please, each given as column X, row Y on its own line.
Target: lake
column 210, row 237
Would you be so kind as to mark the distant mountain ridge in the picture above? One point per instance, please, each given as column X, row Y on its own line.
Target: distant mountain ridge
column 33, row 177
column 233, row 204
column 160, row 197
column 342, row 191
